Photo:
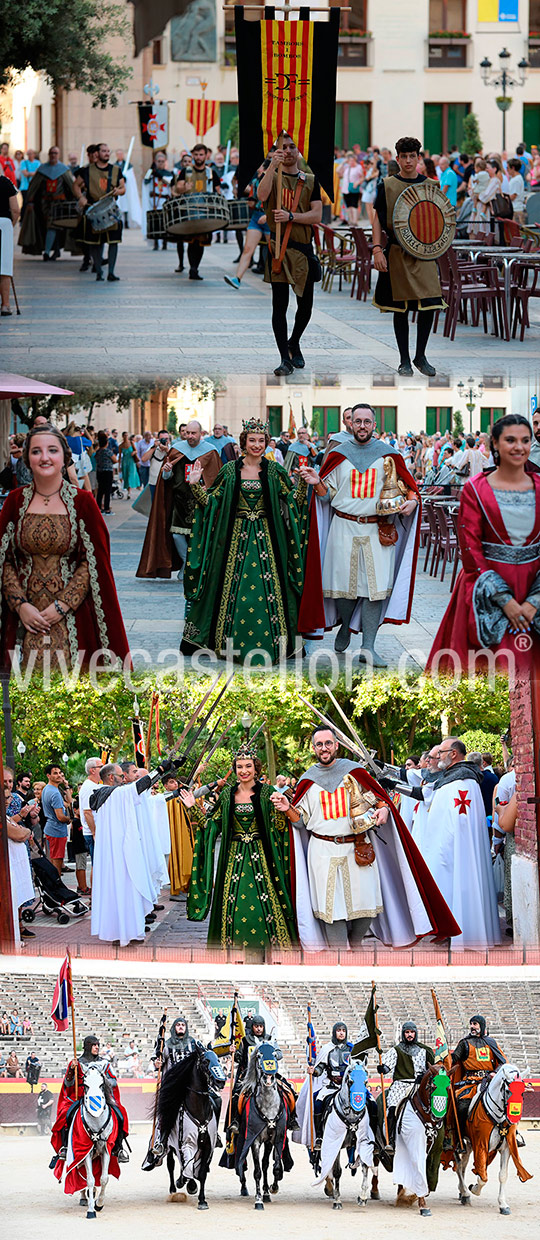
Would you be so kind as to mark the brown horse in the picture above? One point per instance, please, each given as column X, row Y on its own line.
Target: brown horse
column 491, row 1129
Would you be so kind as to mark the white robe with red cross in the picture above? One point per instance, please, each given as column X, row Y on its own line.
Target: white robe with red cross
column 457, row 850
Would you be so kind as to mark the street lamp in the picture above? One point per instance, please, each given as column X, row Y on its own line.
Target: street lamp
column 246, row 722
column 503, row 77
column 21, row 748
column 467, row 390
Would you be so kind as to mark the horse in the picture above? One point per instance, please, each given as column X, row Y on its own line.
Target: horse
column 265, row 1107
column 490, row 1128
column 92, row 1134
column 345, row 1125
column 187, row 1117
column 420, row 1118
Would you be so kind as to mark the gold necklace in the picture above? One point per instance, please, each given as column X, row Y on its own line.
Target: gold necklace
column 47, row 498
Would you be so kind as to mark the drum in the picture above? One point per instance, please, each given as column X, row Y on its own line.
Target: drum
column 103, row 215
column 155, row 225
column 196, row 213
column 424, row 221
column 240, row 212
column 64, row 215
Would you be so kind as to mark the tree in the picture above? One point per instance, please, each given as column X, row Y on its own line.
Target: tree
column 172, row 422
column 459, row 426
column 68, row 44
column 233, row 132
column 472, row 142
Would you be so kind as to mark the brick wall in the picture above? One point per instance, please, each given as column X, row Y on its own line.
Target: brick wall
column 521, row 718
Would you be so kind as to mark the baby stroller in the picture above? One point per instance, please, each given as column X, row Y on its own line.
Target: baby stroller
column 117, row 489
column 55, row 898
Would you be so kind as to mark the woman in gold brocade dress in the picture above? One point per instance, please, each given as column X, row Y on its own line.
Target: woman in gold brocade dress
column 59, row 601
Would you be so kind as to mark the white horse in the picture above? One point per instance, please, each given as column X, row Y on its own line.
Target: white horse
column 492, row 1104
column 346, row 1126
column 98, row 1120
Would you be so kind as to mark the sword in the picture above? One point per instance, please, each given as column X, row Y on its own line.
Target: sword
column 202, row 765
column 380, row 771
column 168, row 756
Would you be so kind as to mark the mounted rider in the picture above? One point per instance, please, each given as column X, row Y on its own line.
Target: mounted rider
column 69, row 1098
column 329, row 1069
column 178, row 1046
column 474, row 1060
column 255, row 1035
column 405, row 1062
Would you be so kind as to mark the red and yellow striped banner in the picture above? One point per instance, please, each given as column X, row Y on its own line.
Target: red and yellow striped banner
column 334, row 804
column 202, row 114
column 287, row 79
column 363, row 485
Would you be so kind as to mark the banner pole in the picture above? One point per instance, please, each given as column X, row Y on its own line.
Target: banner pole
column 310, row 1080
column 279, row 195
column 377, row 1035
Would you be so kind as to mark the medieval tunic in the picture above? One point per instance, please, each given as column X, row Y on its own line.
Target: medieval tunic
column 405, row 1066
column 50, row 184
column 44, row 557
column 345, row 558
column 244, row 576
column 251, row 897
column 474, row 1057
column 340, row 889
column 499, row 536
column 98, row 182
column 122, row 887
column 410, row 283
column 295, row 265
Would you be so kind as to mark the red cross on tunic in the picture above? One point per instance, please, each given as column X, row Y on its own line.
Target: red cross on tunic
column 462, row 801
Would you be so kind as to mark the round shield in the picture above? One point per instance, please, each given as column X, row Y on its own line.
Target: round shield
column 424, row 221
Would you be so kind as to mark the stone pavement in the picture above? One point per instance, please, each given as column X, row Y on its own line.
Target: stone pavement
column 155, row 326
column 153, row 610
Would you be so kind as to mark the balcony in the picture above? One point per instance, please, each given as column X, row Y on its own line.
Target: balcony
column 448, row 50
column 353, row 49
column 534, row 49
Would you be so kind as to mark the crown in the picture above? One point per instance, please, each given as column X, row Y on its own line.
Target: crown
column 246, row 751
column 256, row 426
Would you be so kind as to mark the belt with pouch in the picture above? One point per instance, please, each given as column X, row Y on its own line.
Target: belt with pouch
column 364, row 852
column 349, row 516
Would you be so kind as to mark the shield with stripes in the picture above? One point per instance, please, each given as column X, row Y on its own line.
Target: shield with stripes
column 424, row 221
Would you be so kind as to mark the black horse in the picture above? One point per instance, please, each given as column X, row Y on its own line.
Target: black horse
column 187, row 1119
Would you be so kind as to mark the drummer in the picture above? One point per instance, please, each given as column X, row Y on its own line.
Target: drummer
column 157, row 188
column 93, row 183
column 197, row 179
column 404, row 283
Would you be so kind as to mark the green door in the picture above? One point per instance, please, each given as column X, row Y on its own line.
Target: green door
column 438, row 418
column 456, row 115
column 227, row 113
column 431, row 421
column 531, row 124
column 332, row 419
column 317, row 419
column 433, row 127
column 358, row 126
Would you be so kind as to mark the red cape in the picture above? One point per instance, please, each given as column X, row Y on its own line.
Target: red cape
column 80, row 1145
column 98, row 620
column 312, row 615
column 66, row 1098
column 443, row 923
column 480, row 521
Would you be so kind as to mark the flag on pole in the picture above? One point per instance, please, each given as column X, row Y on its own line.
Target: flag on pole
column 370, row 1031
column 154, row 124
column 311, row 1043
column 230, row 1033
column 62, row 997
column 287, row 72
column 202, row 114
column 292, row 427
column 442, row 1052
column 105, row 752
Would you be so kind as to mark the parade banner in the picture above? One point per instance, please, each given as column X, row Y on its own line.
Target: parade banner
column 138, row 742
column 62, row 997
column 202, row 114
column 370, row 1031
column 154, row 125
column 287, row 83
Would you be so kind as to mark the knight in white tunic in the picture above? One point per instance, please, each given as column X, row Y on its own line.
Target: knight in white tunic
column 122, row 888
column 364, row 516
column 404, row 1062
column 457, row 848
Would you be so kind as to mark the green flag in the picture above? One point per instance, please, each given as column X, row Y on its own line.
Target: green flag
column 370, row 1033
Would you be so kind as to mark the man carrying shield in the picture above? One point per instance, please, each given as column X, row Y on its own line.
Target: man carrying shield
column 405, row 282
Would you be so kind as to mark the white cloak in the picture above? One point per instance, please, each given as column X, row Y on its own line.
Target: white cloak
column 334, row 1133
column 150, row 841
column 407, row 804
column 121, row 891
column 130, row 204
column 410, row 1155
column 457, row 851
column 22, row 887
column 163, row 825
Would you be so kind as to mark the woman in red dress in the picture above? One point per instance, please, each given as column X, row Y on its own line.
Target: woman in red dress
column 59, row 604
column 495, row 604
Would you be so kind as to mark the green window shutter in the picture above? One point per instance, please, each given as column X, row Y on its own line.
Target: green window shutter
column 390, row 418
column 433, row 128
column 358, row 126
column 274, row 414
column 339, row 125
column 456, row 115
column 332, row 419
column 485, row 419
column 445, row 419
column 531, row 124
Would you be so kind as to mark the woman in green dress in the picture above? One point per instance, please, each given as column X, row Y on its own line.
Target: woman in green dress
column 252, row 904
column 128, row 467
column 245, row 570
